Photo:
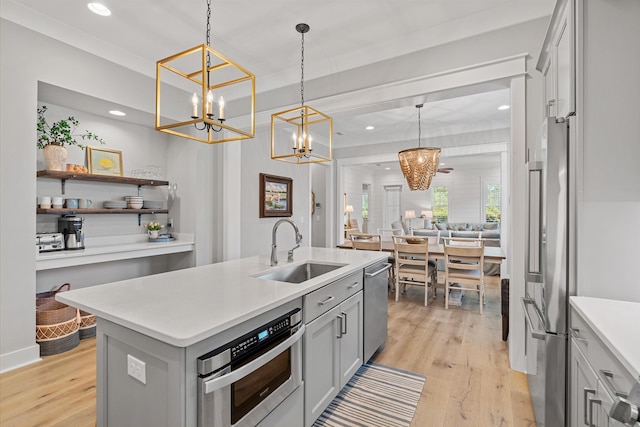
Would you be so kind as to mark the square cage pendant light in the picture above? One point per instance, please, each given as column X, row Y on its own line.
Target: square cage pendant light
column 301, row 134
column 190, row 91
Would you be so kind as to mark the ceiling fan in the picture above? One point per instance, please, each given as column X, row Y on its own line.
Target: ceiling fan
column 444, row 170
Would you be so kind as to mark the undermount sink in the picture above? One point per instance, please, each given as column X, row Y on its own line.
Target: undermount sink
column 300, row 273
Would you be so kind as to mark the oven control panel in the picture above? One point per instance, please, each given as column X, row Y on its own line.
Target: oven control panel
column 255, row 338
column 249, row 343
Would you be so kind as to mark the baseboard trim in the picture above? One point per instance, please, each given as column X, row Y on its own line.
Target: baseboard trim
column 19, row 358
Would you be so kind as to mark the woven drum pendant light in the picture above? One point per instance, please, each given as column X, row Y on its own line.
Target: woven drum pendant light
column 420, row 164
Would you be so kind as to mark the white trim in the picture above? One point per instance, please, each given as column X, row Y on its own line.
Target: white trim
column 19, row 358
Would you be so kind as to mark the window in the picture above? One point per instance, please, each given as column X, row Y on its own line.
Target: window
column 441, row 203
column 492, row 203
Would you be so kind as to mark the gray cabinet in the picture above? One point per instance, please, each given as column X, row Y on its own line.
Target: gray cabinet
column 333, row 353
column 557, row 62
column 583, row 389
column 597, row 377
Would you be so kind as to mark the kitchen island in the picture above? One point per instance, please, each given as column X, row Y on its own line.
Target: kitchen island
column 165, row 322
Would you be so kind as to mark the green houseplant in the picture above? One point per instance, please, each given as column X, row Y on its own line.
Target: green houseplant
column 53, row 137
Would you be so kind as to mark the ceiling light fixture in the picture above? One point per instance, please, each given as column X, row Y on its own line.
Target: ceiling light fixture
column 503, row 107
column 370, row 127
column 117, row 113
column 99, row 9
column 293, row 131
column 419, row 165
column 203, row 72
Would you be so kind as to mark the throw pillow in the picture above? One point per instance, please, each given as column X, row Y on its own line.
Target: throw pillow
column 441, row 225
column 491, row 225
column 476, row 227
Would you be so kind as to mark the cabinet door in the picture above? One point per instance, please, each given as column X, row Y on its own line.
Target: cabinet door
column 584, row 386
column 607, row 402
column 321, row 364
column 564, row 57
column 351, row 337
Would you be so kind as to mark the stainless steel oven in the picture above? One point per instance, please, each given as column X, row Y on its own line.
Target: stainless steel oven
column 242, row 381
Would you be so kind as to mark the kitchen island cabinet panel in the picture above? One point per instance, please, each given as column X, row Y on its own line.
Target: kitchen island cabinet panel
column 321, row 364
column 333, row 349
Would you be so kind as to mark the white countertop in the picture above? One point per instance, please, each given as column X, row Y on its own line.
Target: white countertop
column 614, row 322
column 105, row 249
column 183, row 307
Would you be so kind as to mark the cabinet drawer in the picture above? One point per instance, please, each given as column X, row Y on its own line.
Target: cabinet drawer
column 327, row 297
column 613, row 375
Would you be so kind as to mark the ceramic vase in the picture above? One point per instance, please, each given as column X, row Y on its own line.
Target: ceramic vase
column 55, row 156
column 154, row 234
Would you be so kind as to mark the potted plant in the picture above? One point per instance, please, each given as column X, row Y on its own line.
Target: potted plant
column 153, row 228
column 52, row 138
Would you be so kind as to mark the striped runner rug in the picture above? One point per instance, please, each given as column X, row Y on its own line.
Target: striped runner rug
column 376, row 396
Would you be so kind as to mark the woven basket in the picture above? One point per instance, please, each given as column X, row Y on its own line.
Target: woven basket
column 87, row 325
column 57, row 324
column 48, row 296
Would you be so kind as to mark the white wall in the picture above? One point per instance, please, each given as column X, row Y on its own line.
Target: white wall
column 255, row 232
column 28, row 59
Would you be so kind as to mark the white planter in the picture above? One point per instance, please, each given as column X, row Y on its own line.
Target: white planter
column 55, row 156
column 154, row 234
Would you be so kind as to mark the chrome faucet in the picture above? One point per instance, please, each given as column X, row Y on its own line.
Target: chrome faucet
column 274, row 256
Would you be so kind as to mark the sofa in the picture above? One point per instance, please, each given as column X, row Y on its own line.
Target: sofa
column 489, row 231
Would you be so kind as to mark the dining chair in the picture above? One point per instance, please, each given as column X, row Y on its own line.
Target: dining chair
column 413, row 266
column 371, row 242
column 464, row 267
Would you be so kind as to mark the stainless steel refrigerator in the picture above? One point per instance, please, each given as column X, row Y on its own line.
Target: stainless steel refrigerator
column 548, row 285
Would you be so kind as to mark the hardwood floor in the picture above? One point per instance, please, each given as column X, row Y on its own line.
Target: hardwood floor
column 460, row 351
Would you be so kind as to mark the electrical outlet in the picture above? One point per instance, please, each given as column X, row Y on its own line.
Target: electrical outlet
column 137, row 369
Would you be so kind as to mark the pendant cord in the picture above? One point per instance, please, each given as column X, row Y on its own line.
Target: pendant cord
column 208, row 39
column 419, row 124
column 302, row 72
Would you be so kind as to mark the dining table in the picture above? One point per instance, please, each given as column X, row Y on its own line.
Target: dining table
column 492, row 254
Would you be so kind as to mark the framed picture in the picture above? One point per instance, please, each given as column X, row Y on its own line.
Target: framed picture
column 103, row 161
column 276, row 196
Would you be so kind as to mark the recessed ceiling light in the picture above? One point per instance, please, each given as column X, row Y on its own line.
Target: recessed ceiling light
column 441, row 164
column 99, row 9
column 503, row 107
column 117, row 113
column 369, row 127
column 387, row 169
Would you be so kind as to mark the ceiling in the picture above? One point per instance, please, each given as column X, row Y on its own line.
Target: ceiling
column 261, row 36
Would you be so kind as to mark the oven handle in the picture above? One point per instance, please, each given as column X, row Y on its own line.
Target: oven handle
column 233, row 376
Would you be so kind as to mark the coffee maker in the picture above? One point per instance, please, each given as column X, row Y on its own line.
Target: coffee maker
column 71, row 228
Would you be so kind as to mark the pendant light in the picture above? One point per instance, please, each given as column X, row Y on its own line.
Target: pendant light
column 419, row 165
column 302, row 134
column 200, row 76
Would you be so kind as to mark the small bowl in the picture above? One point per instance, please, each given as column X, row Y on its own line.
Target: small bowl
column 135, row 205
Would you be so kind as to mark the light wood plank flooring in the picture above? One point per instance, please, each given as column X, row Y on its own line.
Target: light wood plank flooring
column 461, row 352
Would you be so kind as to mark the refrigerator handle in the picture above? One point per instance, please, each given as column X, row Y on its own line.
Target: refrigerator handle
column 537, row 333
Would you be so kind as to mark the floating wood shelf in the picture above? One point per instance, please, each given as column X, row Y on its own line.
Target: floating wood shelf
column 76, row 211
column 100, row 178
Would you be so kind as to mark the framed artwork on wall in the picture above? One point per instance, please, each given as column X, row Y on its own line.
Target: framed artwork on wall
column 103, row 161
column 276, row 196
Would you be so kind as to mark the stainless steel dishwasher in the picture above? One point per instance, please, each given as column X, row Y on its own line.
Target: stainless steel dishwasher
column 375, row 307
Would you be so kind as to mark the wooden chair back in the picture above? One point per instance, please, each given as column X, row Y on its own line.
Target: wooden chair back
column 366, row 242
column 464, row 265
column 412, row 265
